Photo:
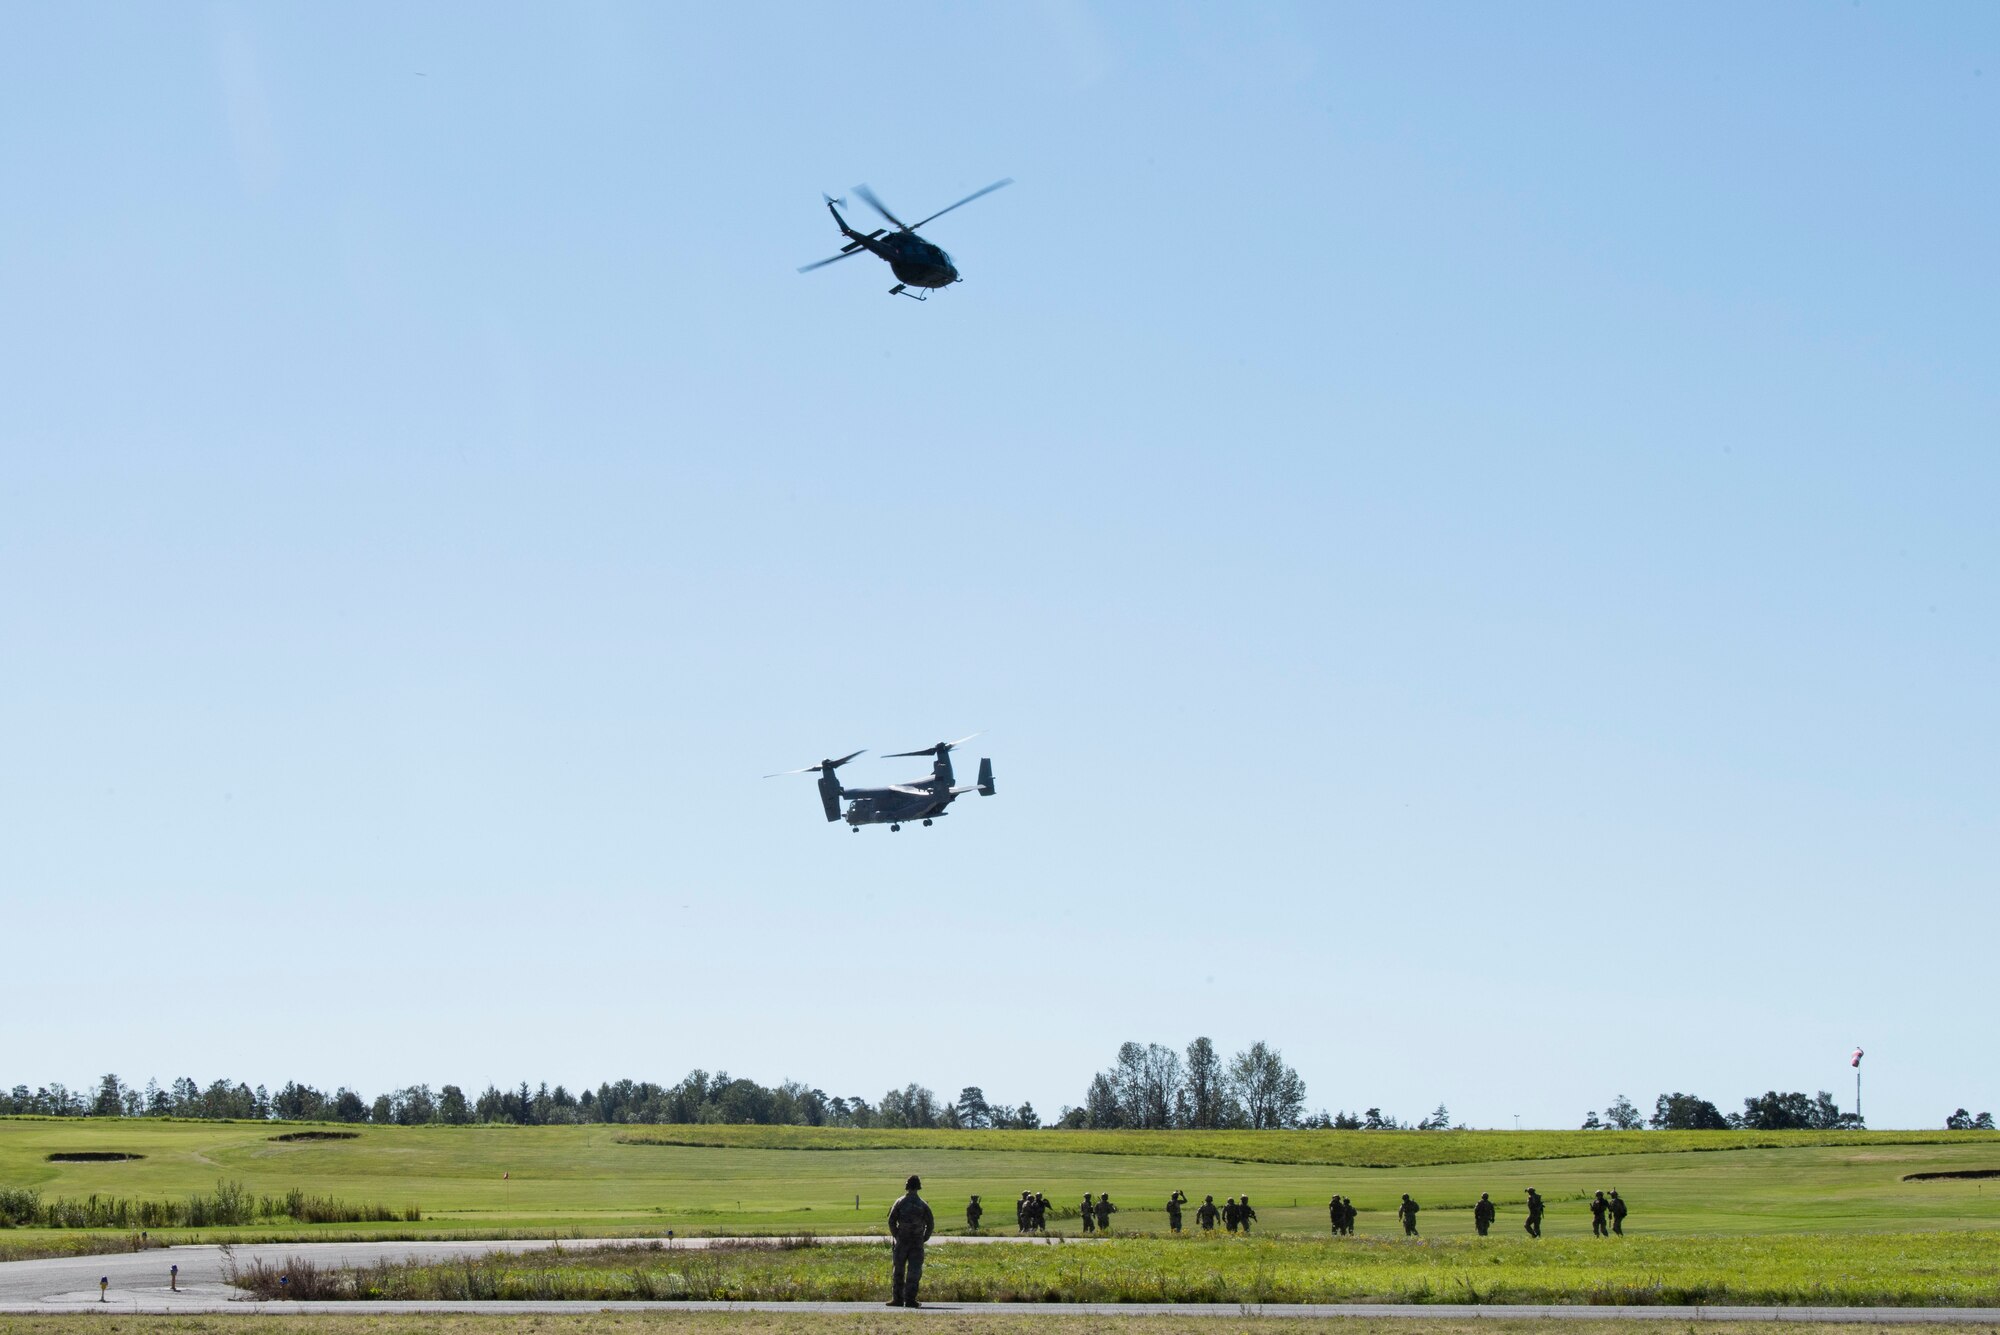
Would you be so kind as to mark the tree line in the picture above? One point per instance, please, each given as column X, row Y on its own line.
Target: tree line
column 1769, row 1111
column 698, row 1097
column 1147, row 1086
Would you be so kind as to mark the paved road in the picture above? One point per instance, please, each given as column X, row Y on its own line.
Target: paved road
column 142, row 1277
column 139, row 1285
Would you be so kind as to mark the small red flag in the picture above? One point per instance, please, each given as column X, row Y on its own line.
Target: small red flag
column 1856, row 1063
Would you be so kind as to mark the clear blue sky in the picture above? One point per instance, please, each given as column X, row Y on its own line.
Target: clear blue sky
column 1471, row 530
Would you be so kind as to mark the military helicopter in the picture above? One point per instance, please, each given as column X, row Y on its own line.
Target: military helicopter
column 920, row 799
column 916, row 261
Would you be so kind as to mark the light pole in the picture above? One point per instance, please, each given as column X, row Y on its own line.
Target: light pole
column 1857, row 1082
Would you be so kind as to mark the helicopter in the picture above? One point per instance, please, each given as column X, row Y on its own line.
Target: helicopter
column 916, row 261
column 922, row 799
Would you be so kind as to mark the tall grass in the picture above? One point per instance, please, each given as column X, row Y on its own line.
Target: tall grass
column 1834, row 1270
column 229, row 1205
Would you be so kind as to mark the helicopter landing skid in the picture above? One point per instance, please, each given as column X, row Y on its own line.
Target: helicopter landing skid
column 899, row 291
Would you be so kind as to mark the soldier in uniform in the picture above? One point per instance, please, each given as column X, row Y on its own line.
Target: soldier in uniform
column 1089, row 1213
column 973, row 1209
column 1407, row 1212
column 1244, row 1213
column 1617, row 1215
column 1231, row 1216
column 1174, row 1203
column 910, row 1224
column 1333, row 1215
column 1598, row 1208
column 1205, row 1216
column 1105, row 1209
column 1021, row 1213
column 1041, row 1213
column 1348, row 1214
column 1482, row 1214
column 1534, row 1222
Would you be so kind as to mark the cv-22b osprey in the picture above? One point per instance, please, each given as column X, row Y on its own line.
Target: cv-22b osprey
column 920, row 799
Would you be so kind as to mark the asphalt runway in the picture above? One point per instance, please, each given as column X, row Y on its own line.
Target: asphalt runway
column 139, row 1285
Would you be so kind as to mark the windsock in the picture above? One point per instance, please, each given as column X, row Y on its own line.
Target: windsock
column 1856, row 1063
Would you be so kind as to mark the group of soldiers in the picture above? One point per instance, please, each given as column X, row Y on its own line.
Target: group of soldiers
column 1031, row 1214
column 1607, row 1214
column 911, row 1224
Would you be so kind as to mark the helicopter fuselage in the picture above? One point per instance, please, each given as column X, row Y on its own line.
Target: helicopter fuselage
column 915, row 260
column 887, row 806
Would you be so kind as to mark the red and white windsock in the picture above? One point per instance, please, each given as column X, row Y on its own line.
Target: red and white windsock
column 1856, row 1063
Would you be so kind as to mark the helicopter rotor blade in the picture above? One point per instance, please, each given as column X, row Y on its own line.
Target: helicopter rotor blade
column 967, row 200
column 933, row 750
column 814, row 769
column 877, row 205
column 821, row 264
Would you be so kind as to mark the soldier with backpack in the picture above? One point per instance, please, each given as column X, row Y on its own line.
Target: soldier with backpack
column 1174, row 1203
column 1535, row 1207
column 1105, row 1209
column 1244, row 1213
column 973, row 1209
column 1617, row 1214
column 1089, row 1213
column 1231, row 1216
column 1207, row 1214
column 910, row 1224
column 1599, row 1207
column 1407, row 1212
column 1482, row 1214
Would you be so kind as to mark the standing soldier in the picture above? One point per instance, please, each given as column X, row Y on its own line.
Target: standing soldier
column 1407, row 1212
column 1174, row 1203
column 1231, row 1216
column 1205, row 1216
column 1105, row 1209
column 1348, row 1214
column 1598, row 1207
column 1089, row 1214
column 1021, row 1214
column 1534, row 1223
column 973, row 1209
column 1244, row 1212
column 910, row 1224
column 1617, row 1215
column 1482, row 1214
column 1333, row 1214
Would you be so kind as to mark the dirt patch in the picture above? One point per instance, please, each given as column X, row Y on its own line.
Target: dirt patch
column 92, row 1156
column 1955, row 1173
column 319, row 1135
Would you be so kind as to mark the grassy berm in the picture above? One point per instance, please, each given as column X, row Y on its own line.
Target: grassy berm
column 1908, row 1270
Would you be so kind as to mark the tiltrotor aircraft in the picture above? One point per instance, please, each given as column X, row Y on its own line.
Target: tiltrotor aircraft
column 916, row 261
column 920, row 799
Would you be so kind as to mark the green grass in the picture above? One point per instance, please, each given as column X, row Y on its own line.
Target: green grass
column 1958, row 1269
column 593, row 1181
column 933, row 1322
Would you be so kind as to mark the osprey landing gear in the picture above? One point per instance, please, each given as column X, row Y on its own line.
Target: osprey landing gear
column 927, row 820
column 895, row 829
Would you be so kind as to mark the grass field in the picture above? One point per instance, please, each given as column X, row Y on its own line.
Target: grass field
column 872, row 1323
column 1956, row 1269
column 598, row 1180
column 1746, row 1218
